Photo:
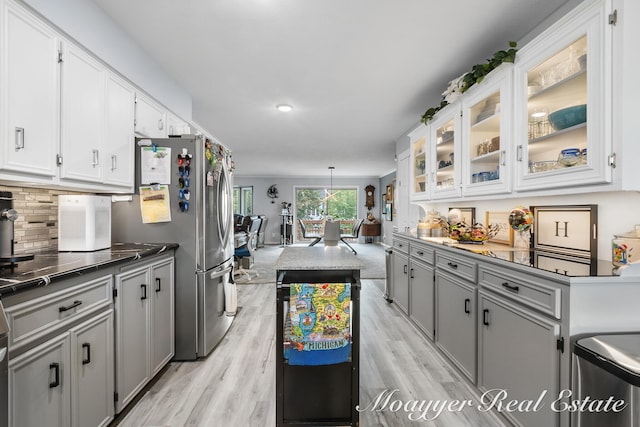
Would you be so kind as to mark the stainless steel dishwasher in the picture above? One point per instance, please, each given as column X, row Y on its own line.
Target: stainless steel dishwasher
column 606, row 381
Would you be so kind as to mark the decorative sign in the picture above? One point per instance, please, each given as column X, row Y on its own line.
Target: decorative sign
column 504, row 235
column 570, row 230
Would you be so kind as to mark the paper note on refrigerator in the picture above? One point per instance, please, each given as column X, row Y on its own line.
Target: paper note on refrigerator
column 154, row 204
column 155, row 165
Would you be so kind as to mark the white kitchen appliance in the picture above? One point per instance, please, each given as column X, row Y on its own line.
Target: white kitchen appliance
column 84, row 222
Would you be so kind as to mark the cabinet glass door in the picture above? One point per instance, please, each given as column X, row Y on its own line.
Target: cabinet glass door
column 487, row 117
column 419, row 157
column 566, row 99
column 445, row 133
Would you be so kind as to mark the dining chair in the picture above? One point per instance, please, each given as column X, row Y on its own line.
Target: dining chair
column 355, row 233
column 303, row 229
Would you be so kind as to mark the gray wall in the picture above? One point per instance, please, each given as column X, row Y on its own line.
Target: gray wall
column 263, row 205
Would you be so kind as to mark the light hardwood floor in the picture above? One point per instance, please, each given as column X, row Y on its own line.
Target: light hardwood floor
column 235, row 385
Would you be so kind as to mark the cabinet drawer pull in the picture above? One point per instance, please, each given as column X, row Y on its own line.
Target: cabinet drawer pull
column 88, row 359
column 144, row 292
column 158, row 284
column 411, row 275
column 19, row 139
column 485, row 317
column 512, row 288
column 452, row 264
column 96, row 158
column 420, row 253
column 405, row 268
column 114, row 162
column 69, row 307
column 467, row 305
column 56, row 375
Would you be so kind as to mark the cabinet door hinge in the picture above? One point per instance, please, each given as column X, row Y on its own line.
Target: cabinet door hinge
column 115, row 293
column 58, row 160
column 613, row 17
column 115, row 396
column 560, row 344
column 611, row 160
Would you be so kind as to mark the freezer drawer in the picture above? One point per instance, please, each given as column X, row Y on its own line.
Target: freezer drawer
column 213, row 322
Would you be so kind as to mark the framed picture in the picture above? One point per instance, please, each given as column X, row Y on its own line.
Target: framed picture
column 505, row 234
column 388, row 211
column 389, row 193
column 468, row 215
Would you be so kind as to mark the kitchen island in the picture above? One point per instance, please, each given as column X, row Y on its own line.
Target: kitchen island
column 317, row 336
column 508, row 319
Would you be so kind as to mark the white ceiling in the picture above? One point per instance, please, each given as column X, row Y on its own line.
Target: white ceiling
column 359, row 73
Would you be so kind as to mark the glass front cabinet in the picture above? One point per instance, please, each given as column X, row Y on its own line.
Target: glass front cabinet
column 445, row 135
column 563, row 102
column 487, row 115
column 419, row 149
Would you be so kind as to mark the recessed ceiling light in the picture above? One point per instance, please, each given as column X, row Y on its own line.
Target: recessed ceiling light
column 285, row 108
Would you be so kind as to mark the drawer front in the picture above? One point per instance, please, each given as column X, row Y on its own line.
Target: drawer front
column 422, row 252
column 36, row 318
column 538, row 293
column 400, row 245
column 457, row 265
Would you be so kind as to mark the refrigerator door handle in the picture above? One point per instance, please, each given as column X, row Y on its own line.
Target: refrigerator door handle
column 220, row 273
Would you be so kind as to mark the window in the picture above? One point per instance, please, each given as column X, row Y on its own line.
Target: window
column 313, row 205
column 243, row 200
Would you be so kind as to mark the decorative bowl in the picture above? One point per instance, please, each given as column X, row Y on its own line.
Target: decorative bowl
column 478, row 233
column 567, row 117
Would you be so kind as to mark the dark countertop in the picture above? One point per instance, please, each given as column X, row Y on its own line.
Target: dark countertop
column 50, row 266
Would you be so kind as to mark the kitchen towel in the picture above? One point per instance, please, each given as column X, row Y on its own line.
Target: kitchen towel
column 320, row 315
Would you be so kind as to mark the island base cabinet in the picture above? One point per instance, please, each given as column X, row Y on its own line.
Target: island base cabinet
column 456, row 322
column 66, row 381
column 518, row 360
column 422, row 297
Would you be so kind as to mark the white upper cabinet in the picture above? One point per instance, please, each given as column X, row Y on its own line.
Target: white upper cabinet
column 29, row 88
column 118, row 163
column 445, row 137
column 176, row 126
column 418, row 164
column 486, row 134
column 563, row 102
column 150, row 118
column 83, row 115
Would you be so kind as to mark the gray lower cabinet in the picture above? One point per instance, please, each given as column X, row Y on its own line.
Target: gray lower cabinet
column 421, row 290
column 144, row 307
column 401, row 280
column 456, row 321
column 67, row 380
column 162, row 324
column 517, row 353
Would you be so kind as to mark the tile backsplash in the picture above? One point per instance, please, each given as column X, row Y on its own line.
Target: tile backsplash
column 36, row 228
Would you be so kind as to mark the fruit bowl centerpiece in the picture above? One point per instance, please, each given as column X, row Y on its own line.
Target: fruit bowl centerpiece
column 475, row 234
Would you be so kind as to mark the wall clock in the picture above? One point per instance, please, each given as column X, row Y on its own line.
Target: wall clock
column 369, row 200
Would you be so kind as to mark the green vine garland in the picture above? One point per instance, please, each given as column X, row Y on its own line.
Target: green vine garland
column 476, row 75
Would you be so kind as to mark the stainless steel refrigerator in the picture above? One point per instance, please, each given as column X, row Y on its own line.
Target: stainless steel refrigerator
column 201, row 211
